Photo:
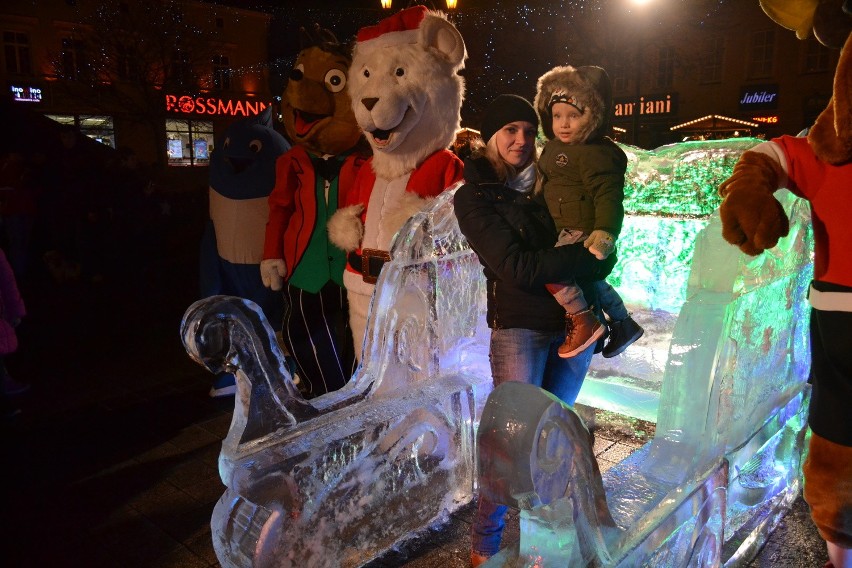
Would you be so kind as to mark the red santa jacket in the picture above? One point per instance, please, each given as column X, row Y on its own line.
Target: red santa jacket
column 437, row 172
column 827, row 187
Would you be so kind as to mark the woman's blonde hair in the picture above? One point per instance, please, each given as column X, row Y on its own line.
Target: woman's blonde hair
column 505, row 171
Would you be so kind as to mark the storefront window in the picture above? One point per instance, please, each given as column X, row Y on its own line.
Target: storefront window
column 189, row 142
column 98, row 128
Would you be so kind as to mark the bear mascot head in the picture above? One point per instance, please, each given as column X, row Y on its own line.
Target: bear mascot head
column 817, row 168
column 406, row 95
column 405, row 88
column 316, row 108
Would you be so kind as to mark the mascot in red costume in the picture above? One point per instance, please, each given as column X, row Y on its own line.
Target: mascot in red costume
column 312, row 180
column 817, row 168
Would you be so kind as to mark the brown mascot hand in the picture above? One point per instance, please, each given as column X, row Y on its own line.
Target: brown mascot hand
column 752, row 218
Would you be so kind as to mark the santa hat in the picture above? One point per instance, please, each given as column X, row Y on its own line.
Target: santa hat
column 831, row 135
column 402, row 27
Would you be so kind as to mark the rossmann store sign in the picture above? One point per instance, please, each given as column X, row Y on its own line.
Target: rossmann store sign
column 212, row 106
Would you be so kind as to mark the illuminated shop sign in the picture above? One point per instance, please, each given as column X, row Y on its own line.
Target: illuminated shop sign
column 647, row 105
column 758, row 96
column 213, row 106
column 766, row 119
column 26, row 94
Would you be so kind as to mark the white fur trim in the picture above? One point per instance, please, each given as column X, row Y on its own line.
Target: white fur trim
column 775, row 152
column 409, row 205
column 830, row 301
column 345, row 229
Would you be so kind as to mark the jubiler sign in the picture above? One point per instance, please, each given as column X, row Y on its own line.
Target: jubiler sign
column 756, row 97
column 213, row 106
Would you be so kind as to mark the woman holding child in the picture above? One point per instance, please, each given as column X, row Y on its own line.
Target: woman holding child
column 513, row 234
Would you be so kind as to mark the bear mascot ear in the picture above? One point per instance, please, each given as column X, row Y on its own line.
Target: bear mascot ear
column 440, row 35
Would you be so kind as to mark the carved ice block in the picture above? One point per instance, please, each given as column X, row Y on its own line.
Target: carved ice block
column 339, row 479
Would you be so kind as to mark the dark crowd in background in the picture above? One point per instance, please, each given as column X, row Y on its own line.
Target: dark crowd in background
column 75, row 213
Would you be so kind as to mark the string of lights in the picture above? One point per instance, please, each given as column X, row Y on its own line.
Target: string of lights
column 509, row 43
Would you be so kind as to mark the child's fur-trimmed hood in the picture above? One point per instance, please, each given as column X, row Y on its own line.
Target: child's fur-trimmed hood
column 589, row 84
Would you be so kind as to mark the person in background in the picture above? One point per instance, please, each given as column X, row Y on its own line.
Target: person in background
column 11, row 311
column 513, row 234
column 19, row 193
column 582, row 180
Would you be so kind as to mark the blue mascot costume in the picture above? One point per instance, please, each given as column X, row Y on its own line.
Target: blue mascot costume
column 242, row 175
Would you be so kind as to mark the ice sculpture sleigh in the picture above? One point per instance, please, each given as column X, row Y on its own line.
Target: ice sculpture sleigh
column 723, row 376
column 337, row 480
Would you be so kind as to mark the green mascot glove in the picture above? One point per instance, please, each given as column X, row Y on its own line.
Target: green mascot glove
column 752, row 218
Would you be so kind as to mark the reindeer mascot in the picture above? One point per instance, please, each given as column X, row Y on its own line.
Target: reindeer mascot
column 817, row 168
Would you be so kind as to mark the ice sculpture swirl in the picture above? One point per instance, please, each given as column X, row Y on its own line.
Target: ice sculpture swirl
column 222, row 333
column 338, row 480
column 533, row 451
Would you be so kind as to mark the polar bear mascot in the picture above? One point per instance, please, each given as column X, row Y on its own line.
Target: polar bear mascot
column 406, row 94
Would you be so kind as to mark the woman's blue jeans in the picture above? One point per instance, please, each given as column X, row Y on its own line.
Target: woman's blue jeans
column 526, row 356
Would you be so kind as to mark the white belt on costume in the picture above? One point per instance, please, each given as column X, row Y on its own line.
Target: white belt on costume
column 830, row 301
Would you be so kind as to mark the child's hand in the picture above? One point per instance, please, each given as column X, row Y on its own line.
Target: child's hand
column 600, row 243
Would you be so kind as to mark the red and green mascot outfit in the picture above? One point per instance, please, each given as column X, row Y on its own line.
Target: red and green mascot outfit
column 312, row 180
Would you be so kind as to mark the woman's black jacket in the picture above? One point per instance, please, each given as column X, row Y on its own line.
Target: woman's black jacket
column 513, row 235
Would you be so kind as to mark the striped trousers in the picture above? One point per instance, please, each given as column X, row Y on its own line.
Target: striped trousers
column 316, row 332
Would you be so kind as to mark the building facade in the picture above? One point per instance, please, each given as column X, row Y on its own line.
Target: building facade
column 741, row 75
column 161, row 77
column 165, row 76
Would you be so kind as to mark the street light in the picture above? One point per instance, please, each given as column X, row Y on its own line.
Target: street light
column 640, row 4
column 386, row 4
column 451, row 4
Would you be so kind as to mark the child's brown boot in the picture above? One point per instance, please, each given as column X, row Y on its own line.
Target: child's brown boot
column 581, row 330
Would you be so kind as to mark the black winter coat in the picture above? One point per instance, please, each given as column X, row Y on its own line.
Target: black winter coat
column 513, row 235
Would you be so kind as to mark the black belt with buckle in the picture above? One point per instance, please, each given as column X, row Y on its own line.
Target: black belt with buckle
column 369, row 263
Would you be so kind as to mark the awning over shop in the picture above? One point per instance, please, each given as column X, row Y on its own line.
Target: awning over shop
column 466, row 135
column 716, row 126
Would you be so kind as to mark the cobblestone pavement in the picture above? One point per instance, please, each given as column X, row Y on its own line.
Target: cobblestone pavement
column 113, row 460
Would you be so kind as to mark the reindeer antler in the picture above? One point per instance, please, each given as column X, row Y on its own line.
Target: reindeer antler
column 324, row 39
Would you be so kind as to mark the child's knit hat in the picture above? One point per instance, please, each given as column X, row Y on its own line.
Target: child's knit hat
column 587, row 88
